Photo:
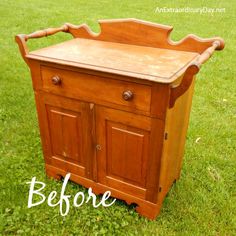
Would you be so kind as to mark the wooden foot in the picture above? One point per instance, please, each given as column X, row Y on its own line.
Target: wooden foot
column 150, row 211
column 52, row 174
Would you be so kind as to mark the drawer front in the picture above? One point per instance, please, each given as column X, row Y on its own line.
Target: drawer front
column 96, row 89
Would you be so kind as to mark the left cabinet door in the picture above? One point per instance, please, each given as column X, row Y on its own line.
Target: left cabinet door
column 66, row 127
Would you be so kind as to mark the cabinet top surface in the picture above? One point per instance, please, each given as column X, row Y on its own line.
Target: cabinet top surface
column 142, row 62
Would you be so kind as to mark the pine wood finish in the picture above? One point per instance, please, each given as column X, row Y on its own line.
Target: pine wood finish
column 113, row 107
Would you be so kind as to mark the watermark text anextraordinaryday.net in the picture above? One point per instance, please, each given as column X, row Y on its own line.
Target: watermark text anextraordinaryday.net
column 198, row 10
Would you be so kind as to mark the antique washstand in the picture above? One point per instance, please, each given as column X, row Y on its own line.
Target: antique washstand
column 113, row 107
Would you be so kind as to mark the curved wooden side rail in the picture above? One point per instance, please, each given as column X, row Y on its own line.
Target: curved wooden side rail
column 21, row 39
column 184, row 85
column 207, row 53
column 193, row 69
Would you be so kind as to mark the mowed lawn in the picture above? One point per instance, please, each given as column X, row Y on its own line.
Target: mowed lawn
column 202, row 202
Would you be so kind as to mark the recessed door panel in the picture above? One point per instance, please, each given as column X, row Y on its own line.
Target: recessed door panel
column 67, row 129
column 66, row 134
column 126, row 152
column 123, row 157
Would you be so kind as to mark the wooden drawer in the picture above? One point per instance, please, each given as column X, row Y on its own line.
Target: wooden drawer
column 95, row 89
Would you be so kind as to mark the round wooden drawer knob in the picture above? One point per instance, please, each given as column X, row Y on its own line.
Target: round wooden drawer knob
column 127, row 95
column 56, row 80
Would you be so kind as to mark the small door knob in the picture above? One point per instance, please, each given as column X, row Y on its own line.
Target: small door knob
column 56, row 80
column 127, row 95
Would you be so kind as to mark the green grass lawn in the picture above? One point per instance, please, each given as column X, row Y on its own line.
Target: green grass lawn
column 202, row 202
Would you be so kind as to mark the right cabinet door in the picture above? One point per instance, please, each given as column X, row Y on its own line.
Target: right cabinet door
column 123, row 150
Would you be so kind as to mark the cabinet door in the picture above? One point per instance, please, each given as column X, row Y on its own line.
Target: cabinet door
column 123, row 150
column 66, row 133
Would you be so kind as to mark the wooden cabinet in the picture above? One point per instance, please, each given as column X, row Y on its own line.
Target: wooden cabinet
column 113, row 108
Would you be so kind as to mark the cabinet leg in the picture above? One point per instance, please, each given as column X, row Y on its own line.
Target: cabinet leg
column 150, row 211
column 52, row 174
